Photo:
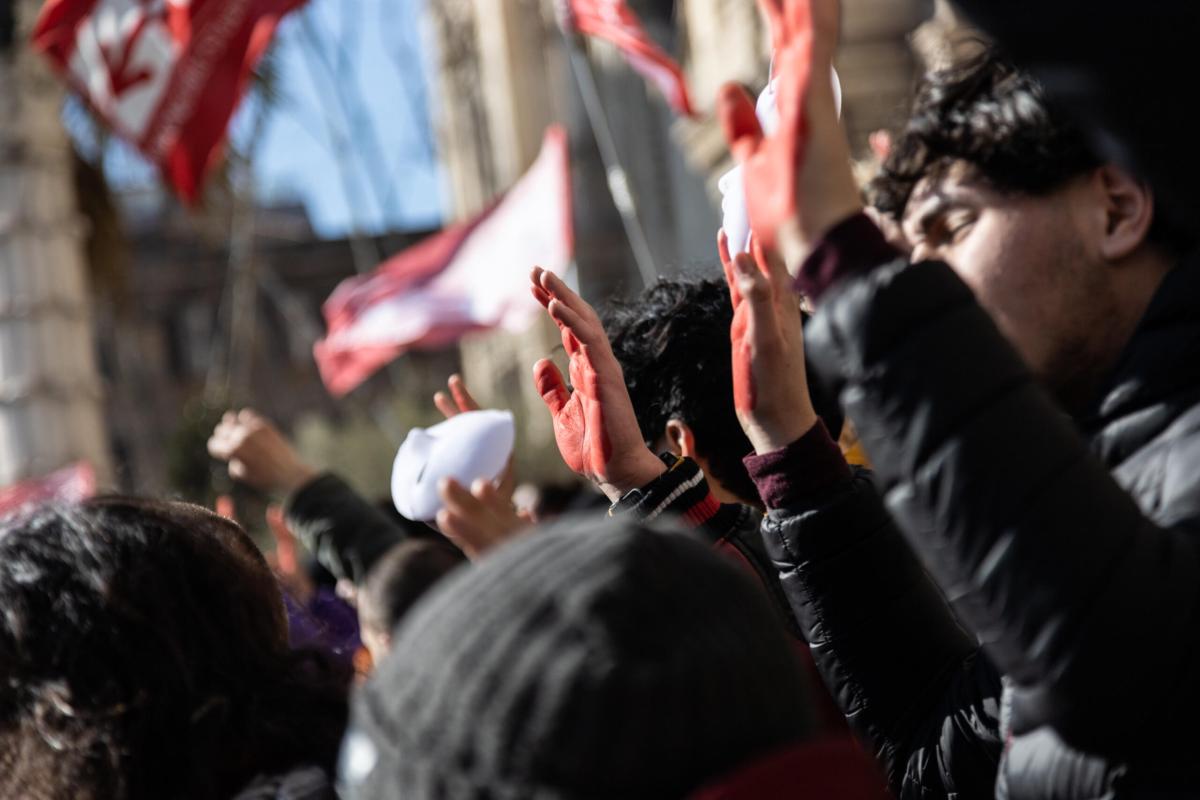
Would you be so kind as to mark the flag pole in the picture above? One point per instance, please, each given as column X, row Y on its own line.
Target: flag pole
column 617, row 177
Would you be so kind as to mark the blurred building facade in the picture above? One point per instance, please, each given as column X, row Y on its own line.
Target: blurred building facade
column 110, row 376
column 51, row 400
column 168, row 356
column 502, row 73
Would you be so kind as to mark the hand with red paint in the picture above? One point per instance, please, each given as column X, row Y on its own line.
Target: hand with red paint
column 798, row 181
column 770, row 388
column 594, row 425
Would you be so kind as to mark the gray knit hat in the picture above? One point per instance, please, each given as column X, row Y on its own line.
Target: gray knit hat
column 588, row 660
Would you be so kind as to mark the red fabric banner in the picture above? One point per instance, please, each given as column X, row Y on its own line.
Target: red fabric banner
column 166, row 75
column 615, row 22
column 473, row 276
column 72, row 484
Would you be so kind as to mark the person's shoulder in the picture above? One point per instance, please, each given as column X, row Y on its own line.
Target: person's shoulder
column 1164, row 475
column 1181, row 471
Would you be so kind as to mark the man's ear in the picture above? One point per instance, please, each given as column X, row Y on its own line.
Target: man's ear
column 1128, row 207
column 680, row 439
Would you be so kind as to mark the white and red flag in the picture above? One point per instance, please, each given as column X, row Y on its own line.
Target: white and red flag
column 473, row 276
column 164, row 74
column 72, row 484
column 615, row 22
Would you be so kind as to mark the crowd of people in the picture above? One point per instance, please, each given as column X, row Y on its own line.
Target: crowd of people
column 998, row 605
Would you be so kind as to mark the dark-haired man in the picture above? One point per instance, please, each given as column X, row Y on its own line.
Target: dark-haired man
column 672, row 342
column 1066, row 544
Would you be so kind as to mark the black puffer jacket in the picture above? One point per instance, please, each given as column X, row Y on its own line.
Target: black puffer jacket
column 1072, row 552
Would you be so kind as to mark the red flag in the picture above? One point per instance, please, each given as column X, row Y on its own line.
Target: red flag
column 164, row 74
column 72, row 484
column 615, row 22
column 473, row 276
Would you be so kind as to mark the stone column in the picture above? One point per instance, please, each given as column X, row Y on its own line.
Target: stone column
column 501, row 76
column 462, row 129
column 50, row 393
column 877, row 64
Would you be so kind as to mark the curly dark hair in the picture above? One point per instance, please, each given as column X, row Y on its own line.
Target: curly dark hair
column 994, row 118
column 672, row 342
column 991, row 116
column 144, row 654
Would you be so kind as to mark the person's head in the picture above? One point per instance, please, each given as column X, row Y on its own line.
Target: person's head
column 589, row 659
column 672, row 342
column 399, row 579
column 144, row 654
column 1063, row 250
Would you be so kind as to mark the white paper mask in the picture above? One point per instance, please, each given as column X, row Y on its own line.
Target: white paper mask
column 470, row 446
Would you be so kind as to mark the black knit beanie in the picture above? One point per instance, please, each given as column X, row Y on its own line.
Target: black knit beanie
column 587, row 660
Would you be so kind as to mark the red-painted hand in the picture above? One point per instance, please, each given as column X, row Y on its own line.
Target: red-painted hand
column 594, row 425
column 772, row 164
column 798, row 181
column 770, row 388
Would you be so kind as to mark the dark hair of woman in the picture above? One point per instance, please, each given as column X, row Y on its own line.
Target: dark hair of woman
column 144, row 654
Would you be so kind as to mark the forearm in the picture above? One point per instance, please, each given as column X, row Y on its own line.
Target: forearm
column 884, row 639
column 344, row 531
column 1044, row 554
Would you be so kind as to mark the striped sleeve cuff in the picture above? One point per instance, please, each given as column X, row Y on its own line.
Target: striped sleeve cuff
column 681, row 491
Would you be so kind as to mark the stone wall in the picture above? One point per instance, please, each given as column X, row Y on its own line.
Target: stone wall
column 50, row 395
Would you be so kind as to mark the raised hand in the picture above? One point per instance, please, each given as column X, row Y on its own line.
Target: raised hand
column 770, row 388
column 798, row 181
column 460, row 401
column 479, row 519
column 594, row 425
column 258, row 454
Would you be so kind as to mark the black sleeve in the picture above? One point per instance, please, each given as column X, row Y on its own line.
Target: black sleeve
column 1070, row 588
column 344, row 531
column 911, row 682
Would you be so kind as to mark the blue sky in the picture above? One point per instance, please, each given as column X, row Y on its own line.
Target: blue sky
column 348, row 132
column 362, row 160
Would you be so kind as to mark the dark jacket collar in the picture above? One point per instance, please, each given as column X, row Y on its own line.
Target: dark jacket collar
column 1158, row 376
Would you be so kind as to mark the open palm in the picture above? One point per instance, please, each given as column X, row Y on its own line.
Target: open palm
column 594, row 426
column 797, row 180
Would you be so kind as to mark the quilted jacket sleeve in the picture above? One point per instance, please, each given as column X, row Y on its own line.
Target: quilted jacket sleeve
column 1070, row 588
column 910, row 681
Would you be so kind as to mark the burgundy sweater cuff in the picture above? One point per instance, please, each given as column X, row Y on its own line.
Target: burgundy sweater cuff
column 853, row 245
column 808, row 469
